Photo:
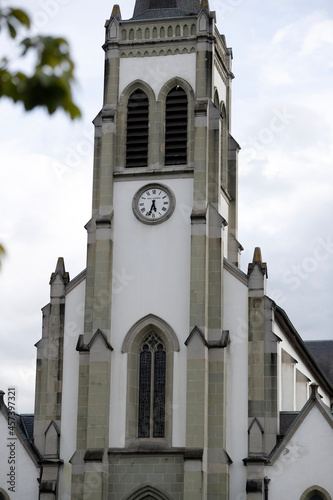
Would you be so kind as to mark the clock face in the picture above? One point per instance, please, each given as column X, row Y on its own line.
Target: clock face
column 153, row 204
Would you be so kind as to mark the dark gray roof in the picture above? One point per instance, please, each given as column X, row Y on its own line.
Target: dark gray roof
column 24, row 425
column 27, row 422
column 156, row 9
column 322, row 351
column 287, row 418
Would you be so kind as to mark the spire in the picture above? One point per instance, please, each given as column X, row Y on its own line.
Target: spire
column 61, row 272
column 257, row 261
column 257, row 273
column 115, row 14
column 152, row 9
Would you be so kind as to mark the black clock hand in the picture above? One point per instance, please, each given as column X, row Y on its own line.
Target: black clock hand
column 153, row 207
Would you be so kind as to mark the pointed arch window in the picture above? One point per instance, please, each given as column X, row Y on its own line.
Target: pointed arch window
column 152, row 381
column 176, row 110
column 315, row 493
column 137, row 129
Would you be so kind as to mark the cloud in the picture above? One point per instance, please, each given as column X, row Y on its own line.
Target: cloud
column 275, row 75
column 318, row 37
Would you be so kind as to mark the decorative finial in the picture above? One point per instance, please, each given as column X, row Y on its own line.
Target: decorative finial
column 116, row 12
column 314, row 390
column 205, row 5
column 60, row 270
column 257, row 261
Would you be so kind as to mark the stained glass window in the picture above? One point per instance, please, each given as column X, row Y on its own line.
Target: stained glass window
column 152, row 375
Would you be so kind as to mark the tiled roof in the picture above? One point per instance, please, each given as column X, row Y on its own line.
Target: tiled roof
column 287, row 418
column 156, row 9
column 322, row 351
column 24, row 429
column 27, row 422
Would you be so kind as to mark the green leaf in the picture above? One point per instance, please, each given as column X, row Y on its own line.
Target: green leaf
column 12, row 30
column 21, row 16
column 13, row 19
column 50, row 83
column 2, row 253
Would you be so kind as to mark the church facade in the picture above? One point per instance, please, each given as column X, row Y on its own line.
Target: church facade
column 163, row 370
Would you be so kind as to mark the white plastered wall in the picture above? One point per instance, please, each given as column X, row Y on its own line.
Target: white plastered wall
column 26, row 473
column 156, row 71
column 236, row 321
column 74, row 326
column 224, row 211
column 305, row 461
column 300, row 365
column 137, row 291
column 220, row 85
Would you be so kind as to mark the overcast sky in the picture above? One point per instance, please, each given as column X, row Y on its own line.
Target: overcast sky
column 282, row 118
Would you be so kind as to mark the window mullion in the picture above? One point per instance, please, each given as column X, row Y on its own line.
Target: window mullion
column 152, row 385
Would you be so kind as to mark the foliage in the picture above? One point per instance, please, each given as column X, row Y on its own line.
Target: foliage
column 49, row 84
column 2, row 253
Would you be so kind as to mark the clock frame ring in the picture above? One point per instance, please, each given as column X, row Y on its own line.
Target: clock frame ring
column 153, row 203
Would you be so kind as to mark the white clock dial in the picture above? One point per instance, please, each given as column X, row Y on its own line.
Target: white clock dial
column 153, row 203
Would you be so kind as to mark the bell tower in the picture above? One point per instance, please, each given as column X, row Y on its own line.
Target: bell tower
column 149, row 371
column 164, row 216
column 164, row 372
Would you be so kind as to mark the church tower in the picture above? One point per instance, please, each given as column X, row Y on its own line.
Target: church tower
column 164, row 372
column 164, row 216
column 144, row 384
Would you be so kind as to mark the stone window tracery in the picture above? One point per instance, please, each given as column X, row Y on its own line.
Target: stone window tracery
column 152, row 381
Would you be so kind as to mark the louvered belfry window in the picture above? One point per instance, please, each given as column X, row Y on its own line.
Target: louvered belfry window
column 137, row 129
column 152, row 378
column 176, row 127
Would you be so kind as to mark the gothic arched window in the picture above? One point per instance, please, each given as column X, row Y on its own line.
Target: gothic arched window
column 137, row 129
column 176, row 127
column 152, row 378
column 315, row 493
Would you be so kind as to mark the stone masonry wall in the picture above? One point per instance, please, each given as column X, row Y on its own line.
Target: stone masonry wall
column 128, row 473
